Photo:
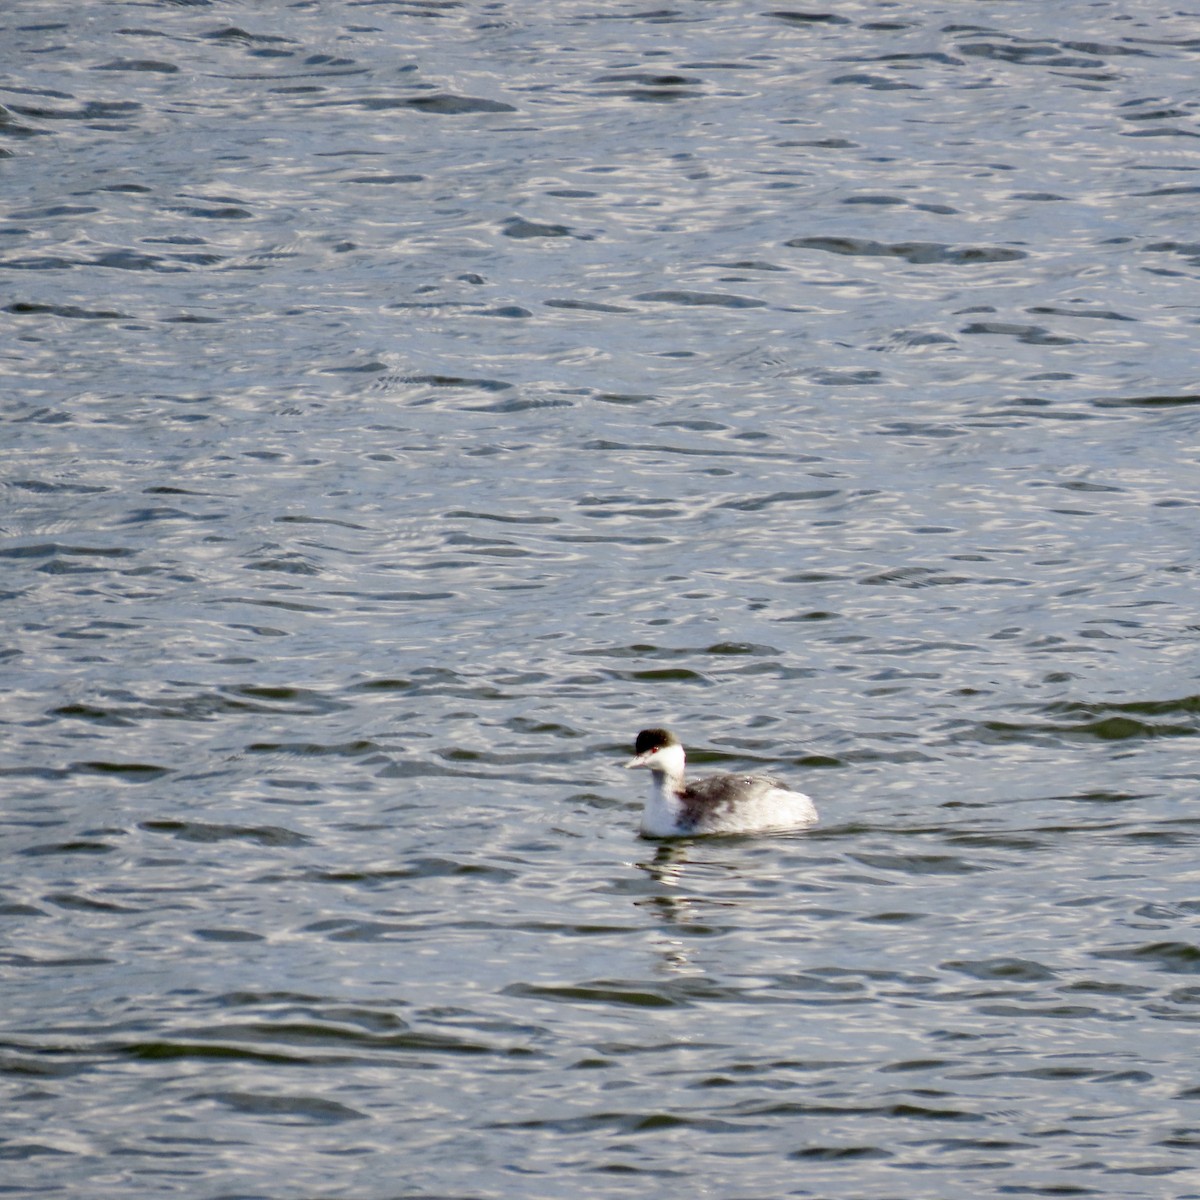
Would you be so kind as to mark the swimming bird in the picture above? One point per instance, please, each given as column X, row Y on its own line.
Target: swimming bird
column 718, row 804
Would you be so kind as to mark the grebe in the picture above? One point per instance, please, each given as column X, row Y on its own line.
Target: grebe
column 718, row 804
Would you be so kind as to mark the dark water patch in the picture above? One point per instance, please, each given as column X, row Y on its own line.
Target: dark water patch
column 913, row 577
column 1175, row 706
column 1018, row 970
column 1161, row 114
column 919, row 864
column 284, row 699
column 1075, row 485
column 573, row 929
column 1180, row 400
column 1030, row 335
column 202, row 831
column 665, row 675
column 236, row 34
column 284, row 1110
column 909, row 649
column 309, row 1043
column 857, row 378
column 1092, row 314
column 30, row 308
column 128, row 772
column 291, row 563
column 621, row 993
column 900, row 1110
column 740, row 649
column 1056, row 1012
column 22, row 1151
column 760, row 502
column 50, row 211
column 649, row 87
column 89, row 112
column 72, row 846
column 421, row 867
column 309, row 1003
column 522, row 229
column 1053, row 1072
column 205, row 1051
column 837, row 1154
column 218, row 212
column 1096, row 724
column 593, row 306
column 1108, row 49
column 1183, row 1139
column 227, row 935
column 649, row 79
column 881, row 201
column 700, row 299
column 1031, row 53
column 521, row 404
column 123, row 709
column 502, row 518
column 371, row 367
column 165, row 512
column 387, row 683
column 1018, row 842
column 11, row 127
column 305, row 1001
column 916, row 1064
column 77, row 903
column 26, row 1063
column 384, row 180
column 877, row 83
column 917, row 339
column 508, row 312
column 914, row 252
column 627, row 1123
column 138, row 64
column 1191, row 250
column 804, row 19
column 92, row 713
column 624, row 505
column 644, row 650
column 748, row 264
column 65, row 963
column 1106, row 987
column 915, row 57
column 1173, row 957
column 46, row 775
column 305, row 519
column 49, row 487
column 741, row 453
column 895, row 918
column 827, row 986
column 442, row 104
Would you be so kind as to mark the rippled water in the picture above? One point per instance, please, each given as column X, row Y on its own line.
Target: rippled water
column 405, row 401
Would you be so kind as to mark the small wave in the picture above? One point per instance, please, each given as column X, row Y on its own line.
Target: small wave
column 913, row 252
column 203, row 831
column 442, row 104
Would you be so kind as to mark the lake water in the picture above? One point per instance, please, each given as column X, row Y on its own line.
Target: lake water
column 403, row 402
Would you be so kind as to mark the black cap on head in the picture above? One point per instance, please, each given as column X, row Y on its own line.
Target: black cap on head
column 654, row 739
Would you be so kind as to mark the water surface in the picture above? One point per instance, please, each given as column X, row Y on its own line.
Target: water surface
column 405, row 402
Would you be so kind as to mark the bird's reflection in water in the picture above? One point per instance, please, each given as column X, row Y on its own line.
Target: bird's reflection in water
column 669, row 870
column 668, row 862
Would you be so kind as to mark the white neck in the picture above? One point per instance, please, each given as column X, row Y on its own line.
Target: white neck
column 663, row 807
